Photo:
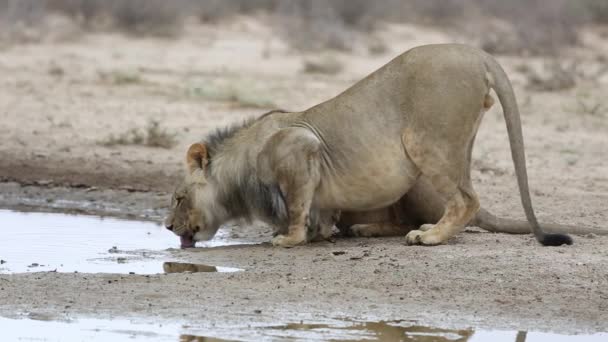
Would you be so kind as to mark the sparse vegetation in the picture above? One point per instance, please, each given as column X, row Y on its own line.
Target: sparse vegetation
column 120, row 77
column 159, row 137
column 377, row 47
column 555, row 77
column 327, row 65
column 238, row 93
column 152, row 136
column 598, row 10
column 149, row 17
column 56, row 71
column 590, row 107
column 517, row 26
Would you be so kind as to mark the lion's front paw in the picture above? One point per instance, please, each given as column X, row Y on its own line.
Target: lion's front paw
column 286, row 241
column 419, row 237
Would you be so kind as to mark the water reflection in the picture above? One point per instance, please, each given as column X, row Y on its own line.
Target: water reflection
column 193, row 338
column 185, row 267
column 371, row 331
column 407, row 332
column 34, row 328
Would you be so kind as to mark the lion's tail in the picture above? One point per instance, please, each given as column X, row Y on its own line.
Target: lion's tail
column 492, row 223
column 501, row 84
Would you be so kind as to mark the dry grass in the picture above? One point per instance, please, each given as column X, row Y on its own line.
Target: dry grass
column 120, row 77
column 591, row 107
column 152, row 136
column 239, row 93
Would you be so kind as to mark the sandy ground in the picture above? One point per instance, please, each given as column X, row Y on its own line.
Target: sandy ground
column 59, row 101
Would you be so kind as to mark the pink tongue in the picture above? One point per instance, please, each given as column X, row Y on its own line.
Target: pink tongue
column 186, row 241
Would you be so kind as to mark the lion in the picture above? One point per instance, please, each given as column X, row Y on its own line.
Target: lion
column 414, row 119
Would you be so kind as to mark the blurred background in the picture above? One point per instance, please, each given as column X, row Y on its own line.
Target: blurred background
column 517, row 27
column 109, row 93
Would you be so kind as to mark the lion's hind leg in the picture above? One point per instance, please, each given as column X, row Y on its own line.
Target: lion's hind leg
column 446, row 164
column 381, row 229
column 460, row 208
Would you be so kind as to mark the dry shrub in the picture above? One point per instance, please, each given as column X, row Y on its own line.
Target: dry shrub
column 435, row 12
column 555, row 76
column 239, row 93
column 21, row 21
column 327, row 65
column 84, row 11
column 377, row 47
column 215, row 10
column 149, row 17
column 312, row 25
column 159, row 137
column 152, row 136
column 513, row 26
column 592, row 108
column 538, row 26
column 29, row 12
column 598, row 10
column 120, row 77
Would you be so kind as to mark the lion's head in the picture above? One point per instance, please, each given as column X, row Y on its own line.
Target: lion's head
column 194, row 211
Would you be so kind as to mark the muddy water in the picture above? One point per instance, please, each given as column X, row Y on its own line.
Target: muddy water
column 126, row 330
column 36, row 242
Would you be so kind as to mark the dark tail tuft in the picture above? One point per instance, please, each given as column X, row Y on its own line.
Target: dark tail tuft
column 556, row 240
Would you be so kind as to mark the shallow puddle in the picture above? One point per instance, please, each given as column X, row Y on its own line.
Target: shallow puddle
column 37, row 242
column 126, row 330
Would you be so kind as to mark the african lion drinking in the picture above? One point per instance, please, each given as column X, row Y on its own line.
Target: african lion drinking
column 416, row 117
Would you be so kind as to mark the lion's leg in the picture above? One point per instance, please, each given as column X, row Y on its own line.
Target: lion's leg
column 389, row 221
column 291, row 158
column 448, row 170
column 460, row 209
column 298, row 204
column 380, row 229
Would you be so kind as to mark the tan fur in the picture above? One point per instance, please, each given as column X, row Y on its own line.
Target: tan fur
column 415, row 118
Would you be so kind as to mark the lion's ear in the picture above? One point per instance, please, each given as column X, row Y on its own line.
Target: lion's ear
column 197, row 158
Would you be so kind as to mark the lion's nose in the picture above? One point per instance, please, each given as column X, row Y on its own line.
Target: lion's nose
column 170, row 227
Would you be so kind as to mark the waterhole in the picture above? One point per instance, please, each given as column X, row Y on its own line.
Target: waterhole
column 43, row 242
column 126, row 330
